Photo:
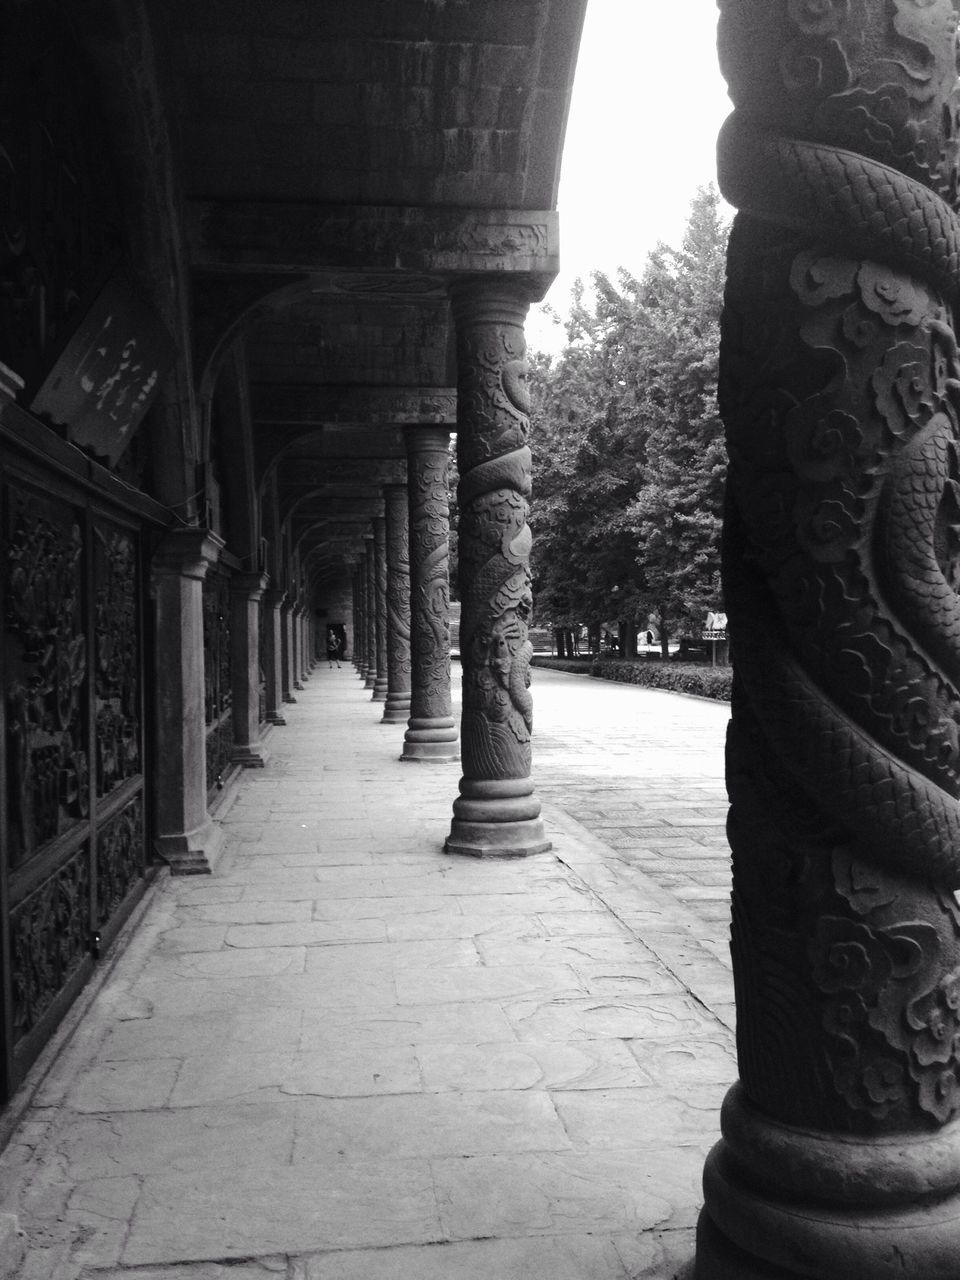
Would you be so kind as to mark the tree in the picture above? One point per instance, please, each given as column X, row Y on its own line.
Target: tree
column 677, row 512
column 589, row 463
column 629, row 442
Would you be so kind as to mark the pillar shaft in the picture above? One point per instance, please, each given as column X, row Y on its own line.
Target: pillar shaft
column 273, row 655
column 357, row 654
column 839, row 379
column 497, row 814
column 296, row 644
column 286, row 649
column 381, row 682
column 246, row 594
column 370, row 609
column 187, row 839
column 397, row 709
column 305, row 647
column 431, row 733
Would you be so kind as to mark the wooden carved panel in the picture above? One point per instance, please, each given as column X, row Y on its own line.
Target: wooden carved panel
column 49, row 939
column 116, row 656
column 120, row 859
column 45, row 661
column 218, row 696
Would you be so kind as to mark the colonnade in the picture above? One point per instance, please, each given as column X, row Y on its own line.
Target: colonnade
column 401, row 586
column 400, row 613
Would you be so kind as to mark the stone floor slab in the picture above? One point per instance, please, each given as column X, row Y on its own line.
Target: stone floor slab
column 541, row 1258
column 142, row 1143
column 235, row 1030
column 347, row 1054
column 598, row 1064
column 422, row 985
column 257, row 1210
column 433, row 1124
column 344, row 1071
column 410, row 1024
column 597, row 1193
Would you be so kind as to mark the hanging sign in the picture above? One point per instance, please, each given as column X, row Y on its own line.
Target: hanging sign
column 109, row 372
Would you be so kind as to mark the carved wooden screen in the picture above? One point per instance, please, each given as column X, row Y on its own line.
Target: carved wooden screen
column 72, row 791
column 216, row 668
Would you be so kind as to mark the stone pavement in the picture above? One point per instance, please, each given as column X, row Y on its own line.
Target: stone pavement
column 347, row 1056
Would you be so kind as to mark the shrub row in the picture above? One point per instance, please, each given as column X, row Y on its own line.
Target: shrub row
column 678, row 677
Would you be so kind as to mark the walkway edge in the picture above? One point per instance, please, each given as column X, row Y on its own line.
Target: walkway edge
column 657, row 919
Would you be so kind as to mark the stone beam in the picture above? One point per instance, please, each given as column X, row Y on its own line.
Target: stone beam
column 318, row 405
column 381, row 239
column 331, row 474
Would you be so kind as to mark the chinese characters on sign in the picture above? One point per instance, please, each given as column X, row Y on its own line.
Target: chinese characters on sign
column 108, row 373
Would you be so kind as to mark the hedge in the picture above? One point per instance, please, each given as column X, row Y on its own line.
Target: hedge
column 677, row 677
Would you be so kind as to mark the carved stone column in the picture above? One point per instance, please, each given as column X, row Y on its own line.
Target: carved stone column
column 296, row 644
column 304, row 647
column 370, row 609
column 359, row 620
column 273, row 655
column 187, row 838
column 497, row 813
column 381, row 682
column 246, row 593
column 431, row 733
column 397, row 709
column 840, row 389
column 357, row 629
column 286, row 618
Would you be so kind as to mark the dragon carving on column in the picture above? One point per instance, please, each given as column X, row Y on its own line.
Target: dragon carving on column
column 494, row 491
column 840, row 390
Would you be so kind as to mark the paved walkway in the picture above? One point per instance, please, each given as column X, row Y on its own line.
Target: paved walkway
column 346, row 1056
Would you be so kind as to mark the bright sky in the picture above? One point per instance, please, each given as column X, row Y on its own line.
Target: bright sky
column 648, row 102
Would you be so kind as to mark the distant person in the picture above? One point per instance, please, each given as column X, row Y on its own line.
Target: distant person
column 334, row 645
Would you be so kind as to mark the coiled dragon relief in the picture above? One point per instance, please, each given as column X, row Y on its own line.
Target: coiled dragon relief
column 495, row 542
column 841, row 394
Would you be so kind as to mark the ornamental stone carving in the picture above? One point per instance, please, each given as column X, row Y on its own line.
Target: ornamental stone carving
column 431, row 733
column 370, row 611
column 840, row 390
column 397, row 708
column 380, row 607
column 497, row 813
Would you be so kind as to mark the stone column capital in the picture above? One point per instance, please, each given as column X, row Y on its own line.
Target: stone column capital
column 486, row 299
column 274, row 597
column 425, row 436
column 188, row 553
column 251, row 585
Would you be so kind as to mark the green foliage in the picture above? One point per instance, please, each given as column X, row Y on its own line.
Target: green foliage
column 675, row 677
column 629, row 446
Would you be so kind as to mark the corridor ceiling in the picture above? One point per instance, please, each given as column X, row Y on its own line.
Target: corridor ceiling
column 342, row 160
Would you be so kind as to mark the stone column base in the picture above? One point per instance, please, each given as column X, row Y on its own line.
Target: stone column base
column 783, row 1203
column 380, row 689
column 432, row 741
column 194, row 853
column 288, row 697
column 274, row 717
column 253, row 756
column 497, row 818
column 397, row 710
